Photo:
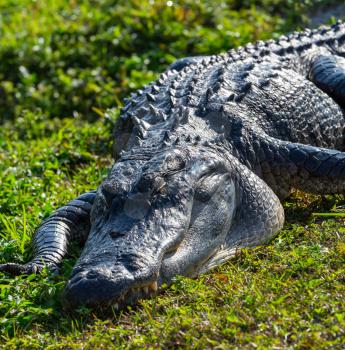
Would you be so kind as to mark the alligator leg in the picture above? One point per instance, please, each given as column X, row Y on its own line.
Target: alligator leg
column 260, row 216
column 69, row 223
column 328, row 73
column 308, row 168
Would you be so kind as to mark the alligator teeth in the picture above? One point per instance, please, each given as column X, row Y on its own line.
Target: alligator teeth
column 154, row 286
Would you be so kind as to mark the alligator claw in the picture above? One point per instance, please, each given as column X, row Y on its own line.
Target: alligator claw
column 15, row 269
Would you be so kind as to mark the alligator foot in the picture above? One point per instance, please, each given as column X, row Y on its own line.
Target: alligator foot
column 69, row 223
column 27, row 269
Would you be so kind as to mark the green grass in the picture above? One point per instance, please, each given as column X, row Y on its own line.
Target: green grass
column 81, row 58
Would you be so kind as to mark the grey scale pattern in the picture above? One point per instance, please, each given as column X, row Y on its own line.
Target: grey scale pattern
column 204, row 155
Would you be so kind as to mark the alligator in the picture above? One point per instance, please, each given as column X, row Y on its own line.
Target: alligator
column 205, row 154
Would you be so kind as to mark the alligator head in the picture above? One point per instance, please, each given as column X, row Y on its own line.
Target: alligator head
column 153, row 218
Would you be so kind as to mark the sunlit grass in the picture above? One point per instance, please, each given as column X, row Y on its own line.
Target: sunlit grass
column 287, row 295
column 13, row 232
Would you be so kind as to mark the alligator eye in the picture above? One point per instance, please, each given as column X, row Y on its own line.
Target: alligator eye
column 116, row 234
column 108, row 192
column 147, row 183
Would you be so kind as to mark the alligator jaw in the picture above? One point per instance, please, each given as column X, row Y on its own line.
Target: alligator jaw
column 95, row 288
column 135, row 293
column 100, row 294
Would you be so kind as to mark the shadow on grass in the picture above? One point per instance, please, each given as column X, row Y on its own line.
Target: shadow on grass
column 300, row 207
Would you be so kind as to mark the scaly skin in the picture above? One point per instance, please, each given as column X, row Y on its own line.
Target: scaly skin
column 204, row 153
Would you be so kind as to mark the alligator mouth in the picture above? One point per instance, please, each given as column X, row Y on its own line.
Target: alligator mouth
column 98, row 294
column 102, row 291
column 133, row 294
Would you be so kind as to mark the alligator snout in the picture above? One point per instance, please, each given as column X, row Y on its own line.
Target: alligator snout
column 102, row 287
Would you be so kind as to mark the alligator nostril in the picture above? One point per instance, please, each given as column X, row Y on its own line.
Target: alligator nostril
column 116, row 234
